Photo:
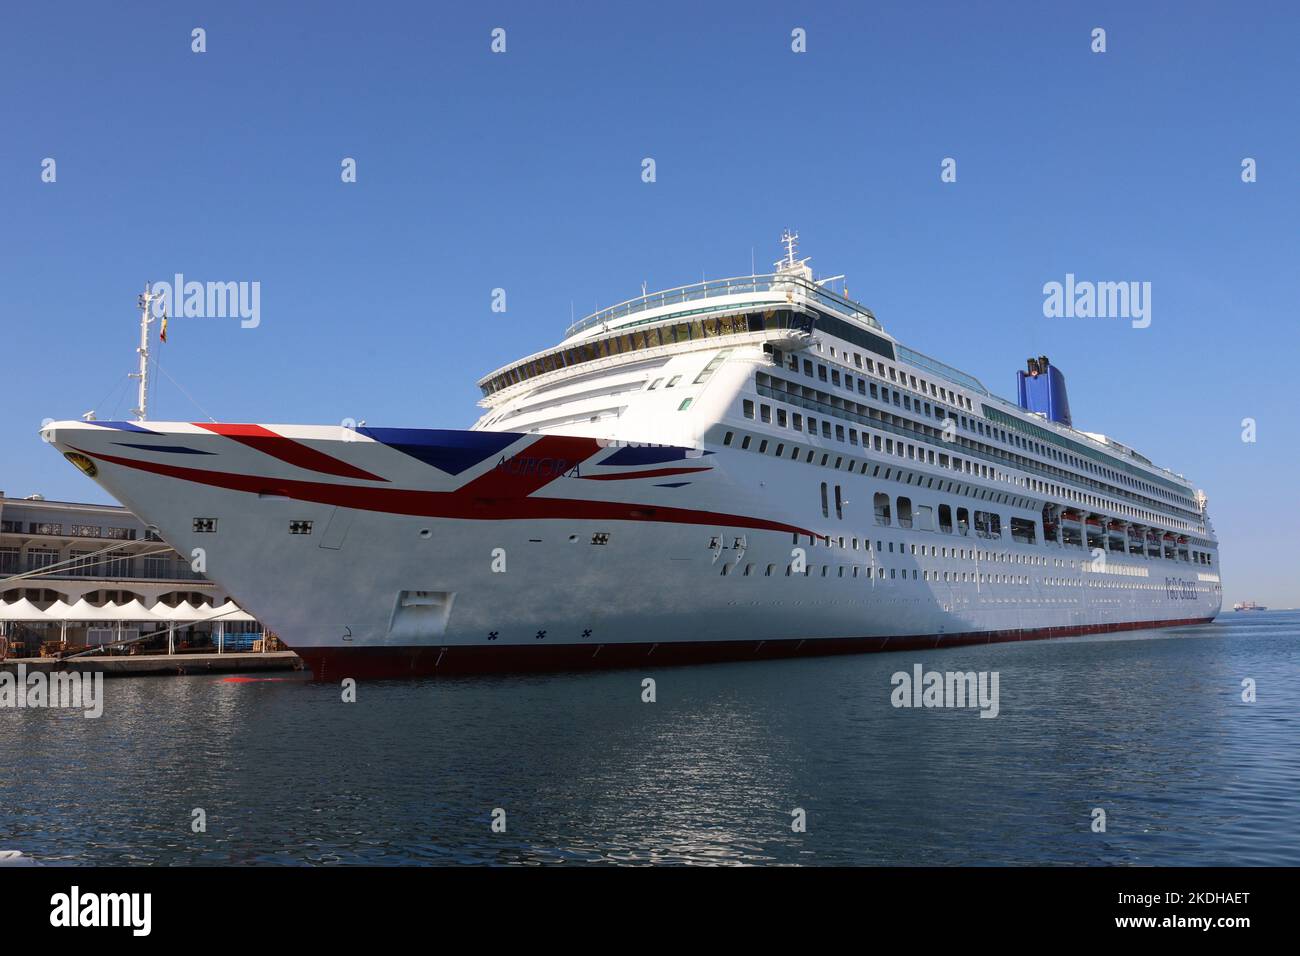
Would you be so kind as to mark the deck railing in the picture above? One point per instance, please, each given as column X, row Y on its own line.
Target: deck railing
column 713, row 288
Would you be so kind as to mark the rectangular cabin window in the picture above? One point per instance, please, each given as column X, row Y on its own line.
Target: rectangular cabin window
column 880, row 504
column 1024, row 530
column 726, row 439
column 945, row 519
column 765, row 413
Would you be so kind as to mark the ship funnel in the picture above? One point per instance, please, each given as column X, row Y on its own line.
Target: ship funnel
column 1041, row 388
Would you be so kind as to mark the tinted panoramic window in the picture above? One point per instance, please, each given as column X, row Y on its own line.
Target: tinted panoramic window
column 665, row 333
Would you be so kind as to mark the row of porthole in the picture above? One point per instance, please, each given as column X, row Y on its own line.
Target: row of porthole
column 599, row 537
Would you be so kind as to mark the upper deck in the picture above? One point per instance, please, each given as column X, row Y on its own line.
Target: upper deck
column 774, row 288
column 784, row 308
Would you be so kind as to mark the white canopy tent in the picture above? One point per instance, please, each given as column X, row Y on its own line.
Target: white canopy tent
column 230, row 611
column 132, row 610
column 58, row 611
column 184, row 612
column 83, row 610
column 24, row 610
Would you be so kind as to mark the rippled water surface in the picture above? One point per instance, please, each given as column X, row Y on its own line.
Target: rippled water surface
column 1149, row 726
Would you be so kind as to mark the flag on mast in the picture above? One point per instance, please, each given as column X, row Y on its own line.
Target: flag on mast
column 162, row 332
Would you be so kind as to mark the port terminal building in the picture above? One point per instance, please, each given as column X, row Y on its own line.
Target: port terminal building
column 76, row 575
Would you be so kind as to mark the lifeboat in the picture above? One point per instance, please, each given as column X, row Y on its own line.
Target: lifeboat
column 1070, row 516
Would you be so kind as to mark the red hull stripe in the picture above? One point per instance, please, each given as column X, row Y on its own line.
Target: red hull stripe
column 653, row 473
column 335, row 663
column 286, row 449
column 459, row 504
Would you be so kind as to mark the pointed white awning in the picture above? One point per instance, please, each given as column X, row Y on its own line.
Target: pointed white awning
column 83, row 610
column 22, row 610
column 230, row 611
column 185, row 611
column 132, row 610
column 58, row 611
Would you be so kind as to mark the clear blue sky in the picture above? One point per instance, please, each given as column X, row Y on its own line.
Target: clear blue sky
column 522, row 171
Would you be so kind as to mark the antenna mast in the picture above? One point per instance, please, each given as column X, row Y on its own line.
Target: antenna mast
column 145, row 301
column 792, row 265
column 791, row 242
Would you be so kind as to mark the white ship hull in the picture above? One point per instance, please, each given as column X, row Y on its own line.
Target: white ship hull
column 442, row 552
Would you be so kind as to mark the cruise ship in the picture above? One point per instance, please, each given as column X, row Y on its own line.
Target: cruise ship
column 738, row 469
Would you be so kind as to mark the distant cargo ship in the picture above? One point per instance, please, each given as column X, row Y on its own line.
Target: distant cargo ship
column 740, row 469
column 1248, row 606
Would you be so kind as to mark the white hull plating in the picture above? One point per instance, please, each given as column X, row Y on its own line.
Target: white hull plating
column 366, row 578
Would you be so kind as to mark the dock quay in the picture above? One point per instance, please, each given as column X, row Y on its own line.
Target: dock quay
column 75, row 577
column 133, row 665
